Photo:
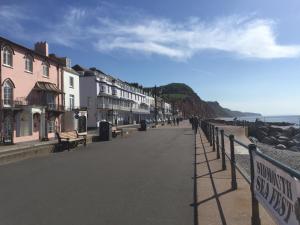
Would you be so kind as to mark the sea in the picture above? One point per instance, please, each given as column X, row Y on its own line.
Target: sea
column 294, row 119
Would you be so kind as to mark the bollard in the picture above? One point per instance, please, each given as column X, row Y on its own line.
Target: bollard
column 223, row 150
column 232, row 161
column 217, row 142
column 255, row 219
column 213, row 137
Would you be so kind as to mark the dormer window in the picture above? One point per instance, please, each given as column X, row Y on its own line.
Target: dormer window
column 28, row 63
column 7, row 56
column 45, row 69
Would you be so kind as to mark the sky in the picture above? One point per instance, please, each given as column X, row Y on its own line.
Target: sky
column 243, row 54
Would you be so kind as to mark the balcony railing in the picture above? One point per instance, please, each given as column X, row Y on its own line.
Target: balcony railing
column 10, row 103
column 55, row 107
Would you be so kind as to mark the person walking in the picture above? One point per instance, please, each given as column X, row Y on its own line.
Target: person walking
column 196, row 124
column 177, row 121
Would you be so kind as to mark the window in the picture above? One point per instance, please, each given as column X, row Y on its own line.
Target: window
column 102, row 88
column 8, row 93
column 72, row 101
column 45, row 69
column 114, row 91
column 71, row 81
column 51, row 125
column 28, row 63
column 7, row 56
column 50, row 100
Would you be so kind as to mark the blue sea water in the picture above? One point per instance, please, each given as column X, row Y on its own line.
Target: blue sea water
column 295, row 119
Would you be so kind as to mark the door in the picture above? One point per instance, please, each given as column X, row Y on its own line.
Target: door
column 8, row 130
column 82, row 124
column 37, row 125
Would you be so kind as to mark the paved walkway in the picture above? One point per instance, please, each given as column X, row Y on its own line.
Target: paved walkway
column 139, row 179
column 217, row 203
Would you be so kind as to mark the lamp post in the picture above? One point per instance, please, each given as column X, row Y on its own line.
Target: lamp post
column 155, row 103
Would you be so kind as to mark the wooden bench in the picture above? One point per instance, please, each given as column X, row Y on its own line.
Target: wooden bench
column 115, row 131
column 70, row 137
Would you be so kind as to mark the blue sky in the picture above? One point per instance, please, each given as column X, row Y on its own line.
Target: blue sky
column 243, row 54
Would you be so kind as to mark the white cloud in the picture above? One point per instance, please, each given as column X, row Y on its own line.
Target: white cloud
column 248, row 37
column 253, row 38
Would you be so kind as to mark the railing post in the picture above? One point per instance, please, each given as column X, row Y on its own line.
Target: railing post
column 213, row 138
column 223, row 150
column 210, row 135
column 217, row 143
column 255, row 219
column 232, row 161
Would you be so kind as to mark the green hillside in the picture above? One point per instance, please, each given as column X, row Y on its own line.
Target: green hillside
column 185, row 99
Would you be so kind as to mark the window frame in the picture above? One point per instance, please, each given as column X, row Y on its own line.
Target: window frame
column 8, row 102
column 71, row 84
column 71, row 101
column 29, row 57
column 51, row 125
column 46, row 65
column 6, row 49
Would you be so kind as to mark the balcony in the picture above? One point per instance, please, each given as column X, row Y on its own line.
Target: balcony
column 55, row 107
column 13, row 104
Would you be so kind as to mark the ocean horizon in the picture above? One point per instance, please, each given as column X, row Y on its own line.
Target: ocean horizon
column 294, row 119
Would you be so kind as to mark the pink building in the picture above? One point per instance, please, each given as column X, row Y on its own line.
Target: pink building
column 31, row 92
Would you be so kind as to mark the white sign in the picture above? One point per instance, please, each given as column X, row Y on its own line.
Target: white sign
column 277, row 191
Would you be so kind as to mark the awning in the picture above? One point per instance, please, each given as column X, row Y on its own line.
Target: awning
column 46, row 86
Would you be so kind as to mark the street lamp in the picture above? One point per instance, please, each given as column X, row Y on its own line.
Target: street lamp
column 155, row 102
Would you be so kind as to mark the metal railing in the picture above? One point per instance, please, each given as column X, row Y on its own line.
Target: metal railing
column 212, row 134
column 10, row 103
column 55, row 107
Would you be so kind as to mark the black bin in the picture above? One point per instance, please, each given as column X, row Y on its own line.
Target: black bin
column 143, row 125
column 105, row 131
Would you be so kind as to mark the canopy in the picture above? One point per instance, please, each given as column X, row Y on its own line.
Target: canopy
column 46, row 86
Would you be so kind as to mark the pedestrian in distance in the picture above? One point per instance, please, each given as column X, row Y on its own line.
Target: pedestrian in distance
column 177, row 121
column 196, row 124
column 174, row 121
column 192, row 122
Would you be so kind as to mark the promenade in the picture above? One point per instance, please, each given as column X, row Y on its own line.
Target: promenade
column 165, row 175
column 142, row 178
column 217, row 202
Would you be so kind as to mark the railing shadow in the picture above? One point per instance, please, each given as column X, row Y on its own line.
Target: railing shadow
column 207, row 174
column 215, row 196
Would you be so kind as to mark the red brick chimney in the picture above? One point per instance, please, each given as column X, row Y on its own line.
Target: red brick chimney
column 42, row 48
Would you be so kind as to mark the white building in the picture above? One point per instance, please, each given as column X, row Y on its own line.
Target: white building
column 110, row 99
column 71, row 90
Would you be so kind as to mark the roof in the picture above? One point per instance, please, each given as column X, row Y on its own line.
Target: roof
column 28, row 50
column 70, row 70
column 46, row 86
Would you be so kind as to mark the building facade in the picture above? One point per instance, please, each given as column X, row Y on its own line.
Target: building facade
column 110, row 99
column 31, row 92
column 74, row 117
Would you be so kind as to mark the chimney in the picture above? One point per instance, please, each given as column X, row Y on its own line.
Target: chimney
column 42, row 48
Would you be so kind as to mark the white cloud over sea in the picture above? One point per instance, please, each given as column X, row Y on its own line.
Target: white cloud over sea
column 245, row 37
